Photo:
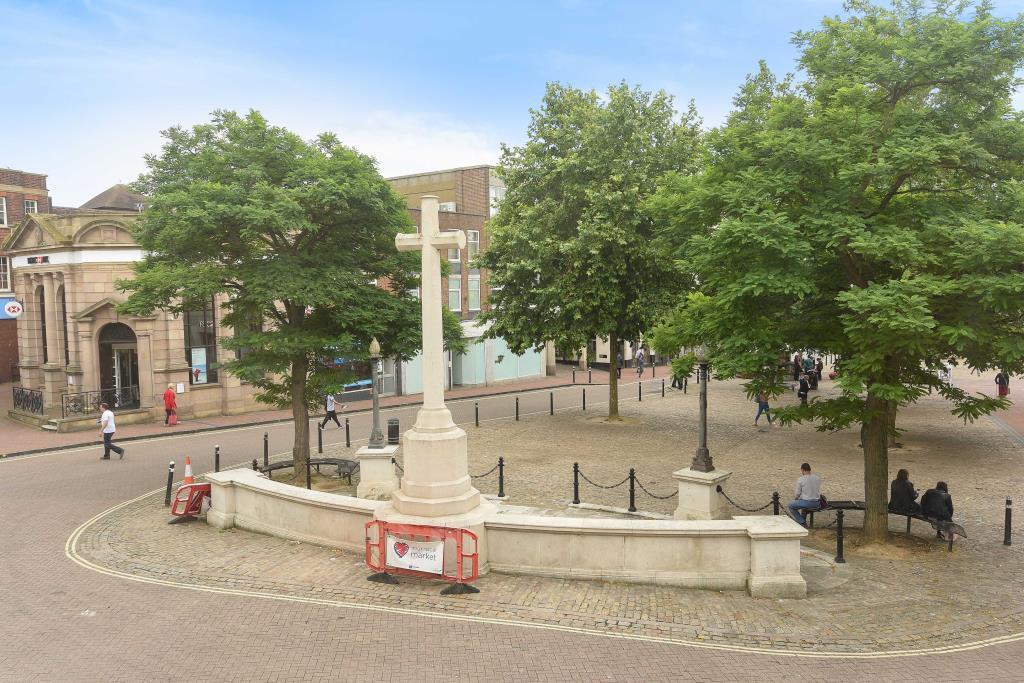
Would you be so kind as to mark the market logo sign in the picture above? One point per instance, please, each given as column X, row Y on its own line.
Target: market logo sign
column 421, row 556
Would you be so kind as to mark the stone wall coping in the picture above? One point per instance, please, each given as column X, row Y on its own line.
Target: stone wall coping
column 255, row 481
column 754, row 527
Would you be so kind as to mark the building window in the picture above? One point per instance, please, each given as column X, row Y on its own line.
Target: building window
column 474, row 292
column 473, row 243
column 3, row 210
column 455, row 260
column 5, row 275
column 41, row 305
column 201, row 344
column 497, row 193
column 64, row 326
column 455, row 292
column 31, row 206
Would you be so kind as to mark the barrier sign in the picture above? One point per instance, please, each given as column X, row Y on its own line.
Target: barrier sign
column 421, row 556
column 12, row 308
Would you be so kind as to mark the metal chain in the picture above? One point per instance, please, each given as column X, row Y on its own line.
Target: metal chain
column 599, row 485
column 644, row 489
column 740, row 507
column 481, row 476
column 395, row 463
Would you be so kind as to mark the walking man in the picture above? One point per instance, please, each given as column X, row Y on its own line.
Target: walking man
column 808, row 495
column 107, row 424
column 640, row 363
column 763, row 408
column 331, row 412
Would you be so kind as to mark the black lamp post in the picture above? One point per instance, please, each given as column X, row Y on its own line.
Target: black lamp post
column 702, row 458
column 376, row 435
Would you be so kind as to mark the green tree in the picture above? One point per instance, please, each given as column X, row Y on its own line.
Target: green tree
column 873, row 211
column 293, row 237
column 571, row 251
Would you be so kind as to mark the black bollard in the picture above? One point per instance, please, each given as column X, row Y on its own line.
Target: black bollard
column 255, row 465
column 501, row 477
column 551, row 403
column 266, row 450
column 1007, row 521
column 686, row 380
column 590, row 376
column 575, row 483
column 319, row 439
column 170, row 483
column 574, row 375
column 663, row 387
column 216, row 458
column 517, row 408
column 584, row 399
column 309, row 475
column 476, row 412
column 839, row 538
column 348, row 435
column 640, row 391
column 632, row 490
column 775, row 503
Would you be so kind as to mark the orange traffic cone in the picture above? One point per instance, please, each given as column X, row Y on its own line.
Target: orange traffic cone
column 189, row 479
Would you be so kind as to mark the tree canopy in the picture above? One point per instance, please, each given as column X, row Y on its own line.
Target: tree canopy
column 571, row 255
column 873, row 211
column 293, row 238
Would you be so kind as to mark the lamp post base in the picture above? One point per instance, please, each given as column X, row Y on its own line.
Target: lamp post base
column 698, row 497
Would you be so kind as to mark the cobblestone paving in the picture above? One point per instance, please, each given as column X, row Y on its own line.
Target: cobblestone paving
column 913, row 595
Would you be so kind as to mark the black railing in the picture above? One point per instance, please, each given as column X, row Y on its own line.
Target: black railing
column 88, row 402
column 28, row 400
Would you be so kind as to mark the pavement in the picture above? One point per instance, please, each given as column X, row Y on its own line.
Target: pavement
column 82, row 600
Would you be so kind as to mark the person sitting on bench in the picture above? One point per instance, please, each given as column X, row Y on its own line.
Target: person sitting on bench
column 808, row 495
column 902, row 496
column 937, row 503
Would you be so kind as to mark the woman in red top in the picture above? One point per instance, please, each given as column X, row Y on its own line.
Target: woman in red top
column 170, row 404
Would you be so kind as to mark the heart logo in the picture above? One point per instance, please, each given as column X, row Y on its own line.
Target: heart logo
column 401, row 548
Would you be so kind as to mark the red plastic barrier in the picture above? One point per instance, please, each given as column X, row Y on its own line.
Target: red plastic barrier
column 188, row 500
column 466, row 568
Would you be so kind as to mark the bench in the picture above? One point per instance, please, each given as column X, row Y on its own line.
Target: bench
column 949, row 528
column 346, row 468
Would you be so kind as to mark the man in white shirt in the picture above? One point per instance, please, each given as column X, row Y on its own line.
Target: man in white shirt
column 807, row 495
column 107, row 424
column 332, row 413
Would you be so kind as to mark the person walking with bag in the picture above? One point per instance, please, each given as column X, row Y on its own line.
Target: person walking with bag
column 1003, row 382
column 170, row 407
column 332, row 413
column 107, row 425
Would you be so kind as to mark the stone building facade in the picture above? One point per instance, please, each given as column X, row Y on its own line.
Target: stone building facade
column 78, row 350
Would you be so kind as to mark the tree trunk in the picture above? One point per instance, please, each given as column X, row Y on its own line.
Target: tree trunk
column 613, row 378
column 874, row 440
column 300, row 416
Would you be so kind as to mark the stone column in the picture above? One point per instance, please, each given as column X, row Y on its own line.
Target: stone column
column 550, row 367
column 53, row 348
column 144, row 349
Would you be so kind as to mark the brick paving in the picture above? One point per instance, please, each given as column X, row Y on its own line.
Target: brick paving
column 63, row 621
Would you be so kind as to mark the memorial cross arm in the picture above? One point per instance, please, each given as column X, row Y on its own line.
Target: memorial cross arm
column 449, row 239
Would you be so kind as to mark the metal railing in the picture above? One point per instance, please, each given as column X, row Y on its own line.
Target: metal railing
column 28, row 400
column 88, row 402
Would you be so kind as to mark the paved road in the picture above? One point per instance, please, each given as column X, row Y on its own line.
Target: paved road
column 64, row 622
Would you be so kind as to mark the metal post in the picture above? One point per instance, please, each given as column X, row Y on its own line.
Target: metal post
column 590, row 376
column 584, row 399
column 348, row 435
column 376, row 435
column 266, row 451
column 663, row 387
column 702, row 457
column 686, row 381
column 216, row 458
column 476, row 412
column 501, row 477
column 170, row 483
column 517, row 408
column 632, row 490
column 255, row 465
column 640, row 391
column 309, row 476
column 551, row 403
column 319, row 438
column 839, row 537
column 575, row 483
column 574, row 375
column 1007, row 521
column 775, row 503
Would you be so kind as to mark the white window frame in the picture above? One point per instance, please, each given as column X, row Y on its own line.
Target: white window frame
column 3, row 210
column 455, row 286
column 35, row 206
column 472, row 238
column 5, row 274
column 474, row 278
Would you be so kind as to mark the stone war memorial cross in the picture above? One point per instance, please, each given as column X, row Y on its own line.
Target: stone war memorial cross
column 436, row 488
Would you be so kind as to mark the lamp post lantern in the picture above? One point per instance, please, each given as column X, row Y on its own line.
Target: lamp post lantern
column 376, row 435
column 702, row 458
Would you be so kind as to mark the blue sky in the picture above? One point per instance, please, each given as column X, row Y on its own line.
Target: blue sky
column 420, row 86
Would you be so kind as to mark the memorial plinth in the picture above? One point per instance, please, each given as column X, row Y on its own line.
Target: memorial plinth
column 698, row 494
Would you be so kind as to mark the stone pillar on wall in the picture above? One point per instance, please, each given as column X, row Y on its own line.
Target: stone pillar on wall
column 550, row 367
column 144, row 349
column 54, row 379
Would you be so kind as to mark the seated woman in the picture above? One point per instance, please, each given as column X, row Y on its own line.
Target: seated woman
column 902, row 495
column 937, row 503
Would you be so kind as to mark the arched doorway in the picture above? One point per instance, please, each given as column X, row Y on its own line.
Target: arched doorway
column 119, row 366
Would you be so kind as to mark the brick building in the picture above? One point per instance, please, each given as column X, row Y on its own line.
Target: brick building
column 21, row 193
column 467, row 198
